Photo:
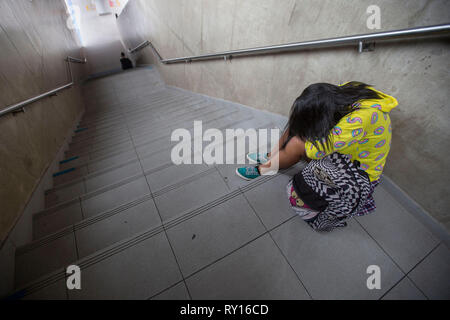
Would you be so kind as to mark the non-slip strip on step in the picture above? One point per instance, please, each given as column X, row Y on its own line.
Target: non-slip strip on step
column 115, row 249
column 105, row 112
column 120, row 105
column 109, row 187
column 120, row 148
column 141, row 112
column 80, row 225
column 91, row 175
column 106, row 170
column 155, row 139
column 55, row 208
column 184, row 181
column 107, row 156
column 147, row 142
column 60, row 173
column 111, row 122
column 119, row 110
column 185, row 120
column 147, row 122
column 69, row 160
column 122, row 130
column 122, row 135
column 142, row 123
column 102, row 216
column 95, row 174
column 104, row 136
column 170, row 114
column 101, row 190
column 38, row 285
column 192, row 213
column 87, row 196
column 45, row 240
column 169, row 224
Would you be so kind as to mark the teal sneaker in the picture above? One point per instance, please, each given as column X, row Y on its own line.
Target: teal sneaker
column 248, row 173
column 257, row 158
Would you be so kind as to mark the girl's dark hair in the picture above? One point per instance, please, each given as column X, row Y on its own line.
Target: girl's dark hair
column 320, row 107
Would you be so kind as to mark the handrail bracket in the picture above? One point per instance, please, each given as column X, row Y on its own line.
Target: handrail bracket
column 366, row 46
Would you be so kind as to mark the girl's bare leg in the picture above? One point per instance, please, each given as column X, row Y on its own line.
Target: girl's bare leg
column 292, row 153
column 280, row 144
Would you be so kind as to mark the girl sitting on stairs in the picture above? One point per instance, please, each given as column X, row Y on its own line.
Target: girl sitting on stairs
column 344, row 133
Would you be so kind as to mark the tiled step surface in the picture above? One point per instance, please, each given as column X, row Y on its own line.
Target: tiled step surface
column 148, row 113
column 88, row 138
column 204, row 229
column 142, row 228
column 94, row 234
column 188, row 109
column 157, row 168
column 192, row 108
column 84, row 182
column 183, row 106
column 141, row 136
column 162, row 182
column 145, row 102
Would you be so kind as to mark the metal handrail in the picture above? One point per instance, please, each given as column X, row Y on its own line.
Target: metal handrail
column 21, row 105
column 358, row 40
column 140, row 46
column 76, row 60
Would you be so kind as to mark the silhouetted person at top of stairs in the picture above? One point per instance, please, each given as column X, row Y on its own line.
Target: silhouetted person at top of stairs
column 126, row 63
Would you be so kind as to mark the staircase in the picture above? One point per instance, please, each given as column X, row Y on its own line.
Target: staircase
column 140, row 227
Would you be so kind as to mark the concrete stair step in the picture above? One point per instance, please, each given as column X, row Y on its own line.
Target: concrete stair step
column 133, row 103
column 97, row 109
column 121, row 128
column 94, row 132
column 89, row 238
column 136, row 111
column 85, row 177
column 82, row 168
column 115, row 108
column 141, row 135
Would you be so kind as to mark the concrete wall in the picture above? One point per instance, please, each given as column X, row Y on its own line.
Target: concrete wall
column 34, row 40
column 417, row 73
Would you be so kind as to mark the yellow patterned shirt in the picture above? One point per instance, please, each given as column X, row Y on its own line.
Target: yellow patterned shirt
column 364, row 135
